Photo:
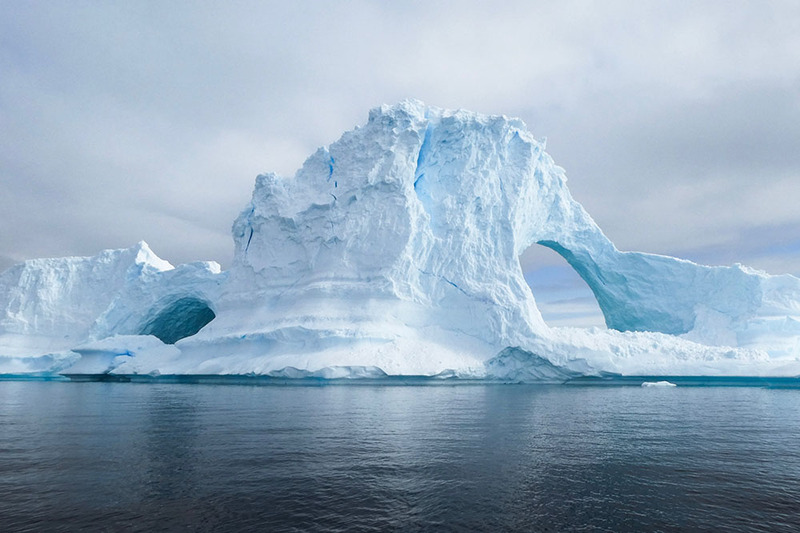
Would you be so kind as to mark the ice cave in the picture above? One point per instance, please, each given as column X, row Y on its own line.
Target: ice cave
column 179, row 319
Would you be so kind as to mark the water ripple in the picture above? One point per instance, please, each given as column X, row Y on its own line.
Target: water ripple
column 107, row 456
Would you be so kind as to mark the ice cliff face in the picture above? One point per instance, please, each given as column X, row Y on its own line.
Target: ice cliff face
column 395, row 251
column 410, row 208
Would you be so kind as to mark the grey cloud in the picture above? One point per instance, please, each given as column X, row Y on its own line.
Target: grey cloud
column 687, row 174
column 677, row 123
column 6, row 262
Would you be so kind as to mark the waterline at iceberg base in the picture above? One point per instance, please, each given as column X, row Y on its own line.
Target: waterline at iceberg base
column 395, row 252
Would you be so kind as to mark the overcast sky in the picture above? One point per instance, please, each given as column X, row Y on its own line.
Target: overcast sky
column 678, row 123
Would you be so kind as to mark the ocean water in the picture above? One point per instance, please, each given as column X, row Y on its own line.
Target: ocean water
column 145, row 457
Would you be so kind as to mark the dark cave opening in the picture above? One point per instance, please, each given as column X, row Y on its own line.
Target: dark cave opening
column 180, row 319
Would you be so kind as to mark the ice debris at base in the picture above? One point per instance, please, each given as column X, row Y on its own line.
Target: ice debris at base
column 661, row 384
column 395, row 251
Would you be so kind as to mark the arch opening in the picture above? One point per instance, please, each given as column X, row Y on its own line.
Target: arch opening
column 180, row 319
column 562, row 296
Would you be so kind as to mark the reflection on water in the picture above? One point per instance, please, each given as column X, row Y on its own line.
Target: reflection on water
column 481, row 457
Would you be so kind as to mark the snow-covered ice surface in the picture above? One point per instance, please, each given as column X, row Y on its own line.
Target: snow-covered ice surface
column 395, row 251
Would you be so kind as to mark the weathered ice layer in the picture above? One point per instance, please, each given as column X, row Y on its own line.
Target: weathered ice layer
column 395, row 251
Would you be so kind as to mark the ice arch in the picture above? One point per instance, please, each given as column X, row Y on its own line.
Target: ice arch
column 648, row 292
column 180, row 319
column 435, row 207
column 635, row 291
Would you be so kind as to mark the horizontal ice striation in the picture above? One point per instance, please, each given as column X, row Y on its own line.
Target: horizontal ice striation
column 394, row 251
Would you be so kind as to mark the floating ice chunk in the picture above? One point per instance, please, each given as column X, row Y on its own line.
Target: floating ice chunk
column 658, row 384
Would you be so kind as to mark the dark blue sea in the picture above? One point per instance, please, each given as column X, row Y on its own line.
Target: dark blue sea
column 199, row 457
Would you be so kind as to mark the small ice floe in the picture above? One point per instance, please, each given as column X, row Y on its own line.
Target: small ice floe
column 658, row 384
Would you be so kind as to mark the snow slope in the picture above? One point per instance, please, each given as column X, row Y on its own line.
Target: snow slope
column 395, row 251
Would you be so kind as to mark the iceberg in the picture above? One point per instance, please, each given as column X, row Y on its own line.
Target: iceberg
column 395, row 252
column 658, row 384
column 51, row 307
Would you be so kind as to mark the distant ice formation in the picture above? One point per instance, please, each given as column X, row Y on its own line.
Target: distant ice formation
column 395, row 251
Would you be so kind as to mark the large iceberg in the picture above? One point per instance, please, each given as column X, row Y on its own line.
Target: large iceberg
column 395, row 251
